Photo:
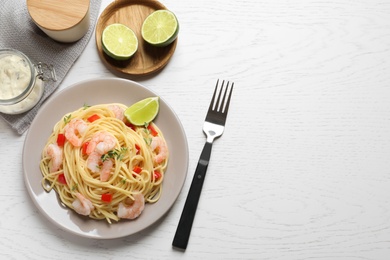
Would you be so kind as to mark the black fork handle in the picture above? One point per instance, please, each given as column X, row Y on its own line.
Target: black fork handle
column 183, row 230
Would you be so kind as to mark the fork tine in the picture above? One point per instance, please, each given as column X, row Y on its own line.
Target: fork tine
column 229, row 96
column 212, row 102
column 218, row 103
column 222, row 106
column 225, row 104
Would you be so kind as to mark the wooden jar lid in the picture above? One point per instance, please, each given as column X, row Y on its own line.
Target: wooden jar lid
column 57, row 15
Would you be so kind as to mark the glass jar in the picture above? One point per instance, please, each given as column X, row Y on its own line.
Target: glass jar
column 21, row 81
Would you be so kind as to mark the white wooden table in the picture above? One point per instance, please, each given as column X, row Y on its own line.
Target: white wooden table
column 303, row 168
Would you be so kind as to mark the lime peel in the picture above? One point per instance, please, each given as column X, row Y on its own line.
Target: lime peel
column 143, row 112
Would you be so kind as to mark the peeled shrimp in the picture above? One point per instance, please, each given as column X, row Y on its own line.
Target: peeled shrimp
column 73, row 130
column 105, row 171
column 101, row 142
column 95, row 164
column 134, row 210
column 118, row 111
column 93, row 161
column 56, row 154
column 158, row 145
column 82, row 205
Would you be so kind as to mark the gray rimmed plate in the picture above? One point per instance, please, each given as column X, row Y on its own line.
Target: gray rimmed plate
column 92, row 92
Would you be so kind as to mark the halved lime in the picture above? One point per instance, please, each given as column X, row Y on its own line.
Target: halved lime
column 119, row 41
column 160, row 28
column 143, row 112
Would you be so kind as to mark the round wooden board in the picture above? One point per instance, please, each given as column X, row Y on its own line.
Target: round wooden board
column 132, row 13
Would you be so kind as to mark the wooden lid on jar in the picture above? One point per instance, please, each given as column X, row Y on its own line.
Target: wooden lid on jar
column 57, row 15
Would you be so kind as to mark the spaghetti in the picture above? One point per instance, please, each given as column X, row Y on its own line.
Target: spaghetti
column 103, row 167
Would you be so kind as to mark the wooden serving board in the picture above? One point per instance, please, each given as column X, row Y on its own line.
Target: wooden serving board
column 148, row 59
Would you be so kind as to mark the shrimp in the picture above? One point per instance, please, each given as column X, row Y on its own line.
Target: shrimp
column 106, row 170
column 56, row 154
column 74, row 128
column 82, row 205
column 118, row 111
column 134, row 210
column 101, row 142
column 95, row 164
column 159, row 146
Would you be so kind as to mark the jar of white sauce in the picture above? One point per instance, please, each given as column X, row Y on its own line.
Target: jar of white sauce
column 21, row 81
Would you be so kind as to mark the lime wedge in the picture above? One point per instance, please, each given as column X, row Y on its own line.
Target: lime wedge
column 160, row 28
column 119, row 41
column 143, row 112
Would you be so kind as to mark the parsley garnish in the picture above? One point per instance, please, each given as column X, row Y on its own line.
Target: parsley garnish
column 85, row 106
column 148, row 141
column 146, row 130
column 67, row 118
column 116, row 153
column 74, row 187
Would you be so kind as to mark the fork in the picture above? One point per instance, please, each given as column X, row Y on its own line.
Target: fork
column 213, row 128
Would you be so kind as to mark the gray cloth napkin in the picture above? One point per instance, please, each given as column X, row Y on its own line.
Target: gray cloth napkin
column 18, row 31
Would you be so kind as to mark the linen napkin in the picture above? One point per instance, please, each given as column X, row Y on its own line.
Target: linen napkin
column 18, row 31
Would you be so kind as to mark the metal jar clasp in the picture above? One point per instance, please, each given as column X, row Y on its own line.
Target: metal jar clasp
column 45, row 72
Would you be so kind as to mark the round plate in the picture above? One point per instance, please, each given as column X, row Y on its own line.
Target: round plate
column 132, row 13
column 92, row 92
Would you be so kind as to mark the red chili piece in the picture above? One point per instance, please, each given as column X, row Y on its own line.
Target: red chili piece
column 84, row 147
column 152, row 130
column 61, row 140
column 93, row 118
column 156, row 175
column 107, row 197
column 137, row 169
column 61, row 178
column 138, row 148
column 130, row 125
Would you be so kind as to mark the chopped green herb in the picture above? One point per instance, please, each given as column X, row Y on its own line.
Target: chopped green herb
column 148, row 141
column 146, row 130
column 116, row 153
column 67, row 118
column 85, row 106
column 106, row 156
column 74, row 187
